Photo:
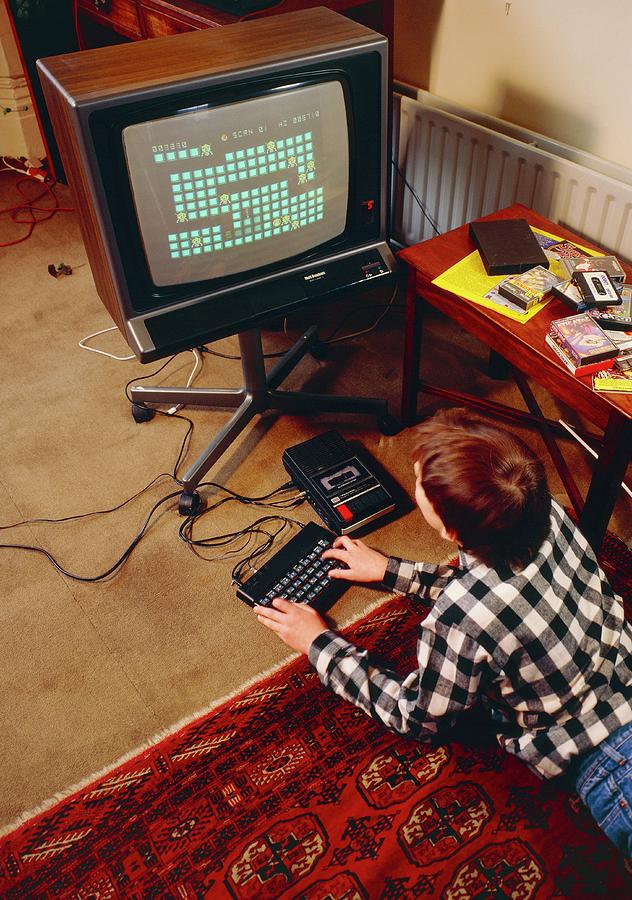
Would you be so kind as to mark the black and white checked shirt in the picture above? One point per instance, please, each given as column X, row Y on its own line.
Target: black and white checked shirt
column 548, row 645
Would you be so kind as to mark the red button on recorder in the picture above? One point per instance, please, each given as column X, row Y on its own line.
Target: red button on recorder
column 345, row 512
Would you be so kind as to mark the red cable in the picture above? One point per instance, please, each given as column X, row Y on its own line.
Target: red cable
column 29, row 207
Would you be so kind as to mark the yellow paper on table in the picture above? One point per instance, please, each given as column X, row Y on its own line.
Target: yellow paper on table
column 468, row 279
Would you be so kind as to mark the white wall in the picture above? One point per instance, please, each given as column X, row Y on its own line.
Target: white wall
column 19, row 131
column 561, row 68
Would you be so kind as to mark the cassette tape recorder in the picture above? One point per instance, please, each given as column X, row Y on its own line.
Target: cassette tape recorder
column 340, row 481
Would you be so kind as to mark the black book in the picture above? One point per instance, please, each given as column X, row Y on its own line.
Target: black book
column 507, row 246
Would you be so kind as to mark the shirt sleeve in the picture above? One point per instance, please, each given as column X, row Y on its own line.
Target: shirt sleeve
column 447, row 681
column 425, row 580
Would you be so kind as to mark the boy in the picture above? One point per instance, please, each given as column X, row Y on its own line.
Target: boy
column 526, row 620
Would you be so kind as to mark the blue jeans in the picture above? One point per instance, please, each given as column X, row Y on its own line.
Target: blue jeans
column 604, row 782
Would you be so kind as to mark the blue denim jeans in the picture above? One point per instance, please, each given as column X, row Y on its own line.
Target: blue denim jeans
column 604, row 782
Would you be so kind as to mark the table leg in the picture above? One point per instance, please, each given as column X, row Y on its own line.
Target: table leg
column 498, row 367
column 606, row 481
column 412, row 352
column 548, row 436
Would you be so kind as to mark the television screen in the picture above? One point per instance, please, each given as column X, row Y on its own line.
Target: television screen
column 227, row 176
column 227, row 189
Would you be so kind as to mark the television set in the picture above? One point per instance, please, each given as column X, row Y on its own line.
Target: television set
column 225, row 178
column 228, row 176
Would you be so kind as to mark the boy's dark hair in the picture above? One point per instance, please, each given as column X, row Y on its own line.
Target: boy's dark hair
column 486, row 485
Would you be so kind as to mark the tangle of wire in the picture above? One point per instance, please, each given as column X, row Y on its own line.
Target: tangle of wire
column 266, row 501
column 270, row 527
column 185, row 530
column 25, row 213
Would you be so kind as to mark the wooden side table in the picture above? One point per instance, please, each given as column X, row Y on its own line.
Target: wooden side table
column 524, row 349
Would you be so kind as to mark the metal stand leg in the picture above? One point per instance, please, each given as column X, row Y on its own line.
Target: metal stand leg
column 257, row 395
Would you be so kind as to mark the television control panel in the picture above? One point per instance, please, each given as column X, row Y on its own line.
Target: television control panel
column 351, row 270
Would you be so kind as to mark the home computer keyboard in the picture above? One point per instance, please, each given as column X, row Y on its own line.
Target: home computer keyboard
column 298, row 573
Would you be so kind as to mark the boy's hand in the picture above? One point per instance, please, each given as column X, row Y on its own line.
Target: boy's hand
column 295, row 623
column 364, row 564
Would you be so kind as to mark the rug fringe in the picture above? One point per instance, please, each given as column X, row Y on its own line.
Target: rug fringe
column 167, row 732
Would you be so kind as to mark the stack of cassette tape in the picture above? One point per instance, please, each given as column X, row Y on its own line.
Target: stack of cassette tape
column 595, row 285
column 581, row 344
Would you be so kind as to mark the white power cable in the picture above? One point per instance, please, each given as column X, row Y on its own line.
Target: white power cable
column 84, row 346
column 196, row 366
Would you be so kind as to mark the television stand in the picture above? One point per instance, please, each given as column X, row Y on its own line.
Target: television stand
column 258, row 394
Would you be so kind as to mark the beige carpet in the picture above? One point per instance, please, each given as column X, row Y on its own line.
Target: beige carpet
column 91, row 671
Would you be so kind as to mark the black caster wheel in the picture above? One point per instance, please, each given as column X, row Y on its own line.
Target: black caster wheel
column 389, row 425
column 318, row 349
column 190, row 503
column 142, row 413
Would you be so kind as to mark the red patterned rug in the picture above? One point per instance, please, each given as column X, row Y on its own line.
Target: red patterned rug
column 286, row 791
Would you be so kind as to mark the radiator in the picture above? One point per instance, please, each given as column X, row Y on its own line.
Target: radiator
column 460, row 169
